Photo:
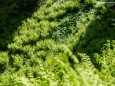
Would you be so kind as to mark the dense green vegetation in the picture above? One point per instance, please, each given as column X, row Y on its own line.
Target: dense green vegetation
column 57, row 43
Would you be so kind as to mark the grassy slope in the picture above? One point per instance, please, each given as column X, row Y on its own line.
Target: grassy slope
column 59, row 45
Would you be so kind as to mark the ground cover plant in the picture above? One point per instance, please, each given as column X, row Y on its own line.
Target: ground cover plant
column 57, row 43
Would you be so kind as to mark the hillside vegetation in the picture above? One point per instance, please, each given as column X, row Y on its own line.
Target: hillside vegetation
column 57, row 43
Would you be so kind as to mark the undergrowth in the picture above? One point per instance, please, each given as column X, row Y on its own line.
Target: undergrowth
column 63, row 43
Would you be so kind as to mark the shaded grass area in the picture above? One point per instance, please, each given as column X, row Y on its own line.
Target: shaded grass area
column 97, row 34
column 12, row 13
